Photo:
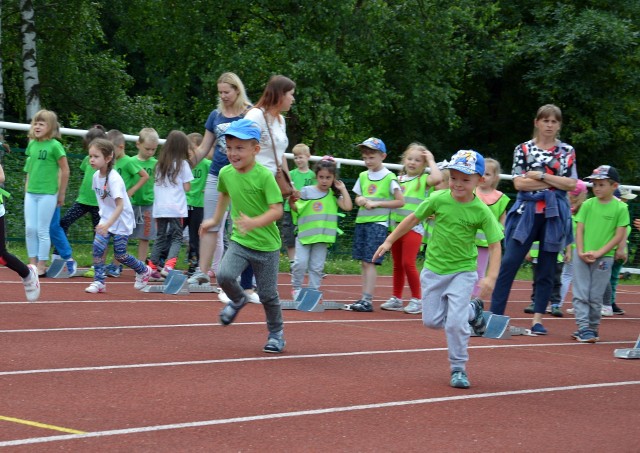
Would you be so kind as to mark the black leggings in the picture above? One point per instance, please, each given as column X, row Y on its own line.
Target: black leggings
column 10, row 260
column 76, row 211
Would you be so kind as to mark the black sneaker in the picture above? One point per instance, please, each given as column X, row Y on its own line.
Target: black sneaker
column 362, row 306
column 530, row 308
column 478, row 323
column 617, row 310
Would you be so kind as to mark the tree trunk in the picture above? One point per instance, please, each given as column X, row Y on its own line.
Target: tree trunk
column 2, row 95
column 29, row 61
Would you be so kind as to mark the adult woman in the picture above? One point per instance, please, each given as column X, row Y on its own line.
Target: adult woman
column 544, row 169
column 276, row 98
column 232, row 105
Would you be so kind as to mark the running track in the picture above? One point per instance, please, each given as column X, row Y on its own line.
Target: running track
column 131, row 371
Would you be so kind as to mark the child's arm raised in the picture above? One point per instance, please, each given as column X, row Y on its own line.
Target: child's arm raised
column 246, row 224
column 345, row 202
column 435, row 175
column 144, row 177
column 103, row 228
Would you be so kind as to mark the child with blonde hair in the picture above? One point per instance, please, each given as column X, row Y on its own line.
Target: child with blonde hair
column 142, row 200
column 497, row 201
column 415, row 184
column 47, row 178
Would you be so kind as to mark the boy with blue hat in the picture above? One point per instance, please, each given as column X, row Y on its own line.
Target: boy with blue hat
column 256, row 204
column 450, row 265
column 377, row 193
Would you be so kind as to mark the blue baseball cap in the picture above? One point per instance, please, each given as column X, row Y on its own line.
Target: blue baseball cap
column 244, row 129
column 374, row 143
column 467, row 161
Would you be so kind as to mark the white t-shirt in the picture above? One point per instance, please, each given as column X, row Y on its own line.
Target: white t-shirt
column 279, row 132
column 115, row 189
column 170, row 200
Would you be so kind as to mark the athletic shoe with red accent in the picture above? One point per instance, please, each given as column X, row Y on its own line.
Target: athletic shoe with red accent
column 32, row 284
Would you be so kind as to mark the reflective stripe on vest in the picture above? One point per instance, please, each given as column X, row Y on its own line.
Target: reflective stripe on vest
column 414, row 194
column 318, row 220
column 375, row 191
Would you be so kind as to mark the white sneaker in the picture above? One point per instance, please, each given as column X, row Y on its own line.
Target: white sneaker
column 222, row 297
column 414, row 307
column 199, row 278
column 32, row 284
column 142, row 279
column 165, row 271
column 570, row 310
column 253, row 298
column 607, row 310
column 95, row 288
column 294, row 293
column 393, row 304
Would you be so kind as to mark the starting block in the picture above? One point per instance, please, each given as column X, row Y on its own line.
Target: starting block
column 498, row 327
column 310, row 300
column 58, row 269
column 175, row 283
column 629, row 353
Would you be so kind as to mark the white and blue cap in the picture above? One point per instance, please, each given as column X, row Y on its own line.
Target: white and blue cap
column 374, row 143
column 467, row 161
column 244, row 129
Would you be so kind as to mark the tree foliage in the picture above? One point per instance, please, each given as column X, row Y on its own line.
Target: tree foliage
column 464, row 74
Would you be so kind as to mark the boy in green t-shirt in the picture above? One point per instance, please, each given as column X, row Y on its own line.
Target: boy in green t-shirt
column 134, row 178
column 601, row 224
column 449, row 273
column 256, row 205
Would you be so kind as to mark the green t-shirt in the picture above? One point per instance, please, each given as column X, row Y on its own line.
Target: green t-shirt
column 144, row 196
column 452, row 247
column 600, row 222
column 128, row 167
column 86, row 194
column 251, row 193
column 300, row 180
column 43, row 167
column 195, row 197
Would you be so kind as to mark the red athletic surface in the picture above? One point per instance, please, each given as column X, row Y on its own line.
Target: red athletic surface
column 153, row 372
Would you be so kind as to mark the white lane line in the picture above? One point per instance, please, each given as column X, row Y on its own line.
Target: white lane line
column 303, row 413
column 288, row 357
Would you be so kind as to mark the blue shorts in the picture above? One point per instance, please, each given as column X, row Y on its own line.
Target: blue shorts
column 367, row 237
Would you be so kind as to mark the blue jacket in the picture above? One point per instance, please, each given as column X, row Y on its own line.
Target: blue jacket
column 558, row 231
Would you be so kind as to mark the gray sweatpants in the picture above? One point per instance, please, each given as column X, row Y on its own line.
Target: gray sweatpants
column 311, row 257
column 589, row 284
column 265, row 267
column 445, row 304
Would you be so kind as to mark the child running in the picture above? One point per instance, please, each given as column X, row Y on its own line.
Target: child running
column 450, row 265
column 415, row 184
column 497, row 201
column 29, row 273
column 172, row 181
column 47, row 178
column 256, row 204
column 116, row 217
column 317, row 219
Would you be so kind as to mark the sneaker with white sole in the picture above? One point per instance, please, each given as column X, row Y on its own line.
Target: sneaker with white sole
column 393, row 304
column 607, row 310
column 72, row 267
column 222, row 297
column 95, row 288
column 275, row 343
column 165, row 271
column 459, row 379
column 199, row 278
column 230, row 311
column 32, row 284
column 253, row 298
column 414, row 307
column 142, row 279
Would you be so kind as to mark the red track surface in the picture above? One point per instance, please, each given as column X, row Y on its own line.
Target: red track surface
column 132, row 371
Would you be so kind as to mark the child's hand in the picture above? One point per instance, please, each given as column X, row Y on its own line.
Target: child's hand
column 636, row 223
column 102, row 229
column 370, row 204
column 588, row 257
column 428, row 156
column 486, row 287
column 245, row 223
column 384, row 248
column 339, row 185
column 621, row 255
column 205, row 226
column 527, row 257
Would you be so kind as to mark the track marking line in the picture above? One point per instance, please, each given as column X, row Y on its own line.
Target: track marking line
column 287, row 357
column 328, row 410
column 40, row 425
